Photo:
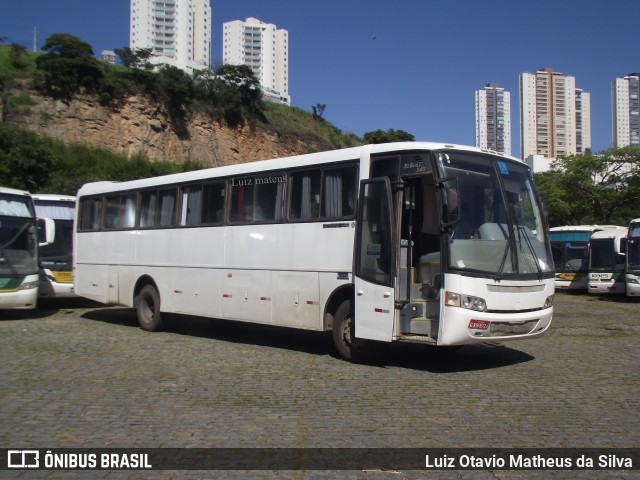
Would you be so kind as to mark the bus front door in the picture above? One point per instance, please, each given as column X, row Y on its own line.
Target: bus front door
column 375, row 266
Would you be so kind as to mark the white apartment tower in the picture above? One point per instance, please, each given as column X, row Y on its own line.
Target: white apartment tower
column 555, row 117
column 178, row 32
column 625, row 111
column 263, row 48
column 493, row 119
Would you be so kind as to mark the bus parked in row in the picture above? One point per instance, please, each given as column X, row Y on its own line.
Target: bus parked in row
column 632, row 259
column 571, row 247
column 19, row 249
column 418, row 242
column 56, row 276
column 606, row 261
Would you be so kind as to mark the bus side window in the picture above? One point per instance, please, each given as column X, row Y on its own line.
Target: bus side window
column 241, row 201
column 112, row 213
column 148, row 207
column 129, row 210
column 305, row 195
column 338, row 196
column 213, row 203
column 167, row 213
column 91, row 209
column 190, row 210
column 268, row 199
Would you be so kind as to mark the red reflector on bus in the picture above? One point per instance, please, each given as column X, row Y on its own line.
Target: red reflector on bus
column 479, row 324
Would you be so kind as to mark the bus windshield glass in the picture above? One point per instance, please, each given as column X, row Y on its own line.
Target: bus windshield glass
column 18, row 252
column 604, row 256
column 633, row 247
column 499, row 228
column 57, row 255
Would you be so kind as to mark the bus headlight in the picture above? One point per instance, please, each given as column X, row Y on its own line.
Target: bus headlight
column 548, row 303
column 28, row 286
column 469, row 302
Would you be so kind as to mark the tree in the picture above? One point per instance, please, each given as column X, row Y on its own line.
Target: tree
column 318, row 111
column 68, row 65
column 25, row 162
column 601, row 188
column 391, row 135
column 134, row 58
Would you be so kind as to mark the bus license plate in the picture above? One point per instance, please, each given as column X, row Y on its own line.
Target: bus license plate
column 63, row 277
column 479, row 324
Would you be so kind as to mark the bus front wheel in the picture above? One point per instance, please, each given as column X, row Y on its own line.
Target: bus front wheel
column 148, row 309
column 350, row 348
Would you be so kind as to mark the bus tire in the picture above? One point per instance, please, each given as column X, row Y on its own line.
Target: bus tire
column 349, row 348
column 148, row 309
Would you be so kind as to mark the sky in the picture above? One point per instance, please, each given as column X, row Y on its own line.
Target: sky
column 410, row 65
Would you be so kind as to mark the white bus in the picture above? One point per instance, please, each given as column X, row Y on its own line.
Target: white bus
column 56, row 276
column 632, row 261
column 606, row 261
column 571, row 245
column 417, row 242
column 19, row 249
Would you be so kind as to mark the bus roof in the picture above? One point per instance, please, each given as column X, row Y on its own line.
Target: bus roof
column 310, row 159
column 13, row 191
column 53, row 197
column 617, row 232
column 582, row 228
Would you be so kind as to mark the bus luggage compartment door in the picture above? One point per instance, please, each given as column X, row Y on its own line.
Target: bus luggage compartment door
column 375, row 260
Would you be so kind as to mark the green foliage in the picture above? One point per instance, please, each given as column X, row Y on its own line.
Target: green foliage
column 25, row 162
column 391, row 135
column 601, row 188
column 296, row 124
column 40, row 164
column 68, row 65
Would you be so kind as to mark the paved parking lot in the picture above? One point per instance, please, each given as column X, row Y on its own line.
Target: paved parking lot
column 82, row 375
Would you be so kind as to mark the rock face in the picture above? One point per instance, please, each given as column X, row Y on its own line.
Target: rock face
column 139, row 127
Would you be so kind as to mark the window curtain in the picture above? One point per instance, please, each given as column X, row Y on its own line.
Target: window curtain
column 333, row 194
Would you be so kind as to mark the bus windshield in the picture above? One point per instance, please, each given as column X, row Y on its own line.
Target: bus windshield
column 499, row 228
column 57, row 255
column 604, row 255
column 18, row 251
column 633, row 247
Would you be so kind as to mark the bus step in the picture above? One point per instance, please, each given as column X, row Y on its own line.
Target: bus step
column 417, row 326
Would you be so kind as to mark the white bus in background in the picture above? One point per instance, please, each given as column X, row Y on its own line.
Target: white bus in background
column 606, row 261
column 417, row 242
column 19, row 249
column 56, row 275
column 571, row 245
column 632, row 260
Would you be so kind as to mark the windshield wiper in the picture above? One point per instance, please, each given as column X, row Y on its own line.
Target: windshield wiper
column 522, row 233
column 498, row 276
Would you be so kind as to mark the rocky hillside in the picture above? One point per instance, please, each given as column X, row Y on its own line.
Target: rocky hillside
column 139, row 127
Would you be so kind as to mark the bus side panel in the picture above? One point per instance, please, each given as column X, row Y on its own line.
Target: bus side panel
column 246, row 295
column 296, row 300
column 91, row 276
column 196, row 291
column 92, row 281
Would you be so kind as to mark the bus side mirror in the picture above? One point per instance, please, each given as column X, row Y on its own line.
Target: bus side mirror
column 46, row 231
column 451, row 206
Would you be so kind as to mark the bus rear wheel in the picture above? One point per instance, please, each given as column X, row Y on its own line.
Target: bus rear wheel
column 148, row 309
column 350, row 348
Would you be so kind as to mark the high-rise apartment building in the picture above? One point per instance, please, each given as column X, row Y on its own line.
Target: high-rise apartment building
column 625, row 111
column 178, row 32
column 493, row 119
column 264, row 48
column 555, row 117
